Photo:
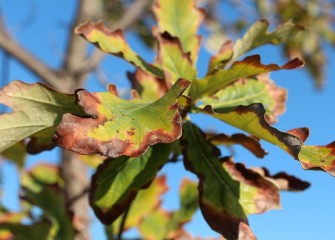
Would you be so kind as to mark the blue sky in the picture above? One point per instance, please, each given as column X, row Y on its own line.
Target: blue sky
column 305, row 215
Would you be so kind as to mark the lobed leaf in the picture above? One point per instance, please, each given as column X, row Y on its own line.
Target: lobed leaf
column 173, row 60
column 258, row 35
column 219, row 193
column 252, row 120
column 170, row 16
column 284, row 181
column 117, row 181
column 121, row 127
column 247, row 92
column 219, row 60
column 250, row 66
column 114, row 42
column 36, row 109
column 257, row 194
column 318, row 157
column 249, row 142
column 149, row 87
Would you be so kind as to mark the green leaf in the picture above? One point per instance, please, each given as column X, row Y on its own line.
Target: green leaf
column 219, row 60
column 188, row 195
column 117, row 181
column 171, row 18
column 16, row 153
column 250, row 66
column 258, row 35
column 247, row 92
column 149, row 87
column 257, row 194
column 252, row 120
column 219, row 193
column 43, row 188
column 36, row 108
column 36, row 231
column 318, row 157
column 174, row 62
column 154, row 225
column 121, row 127
column 145, row 202
column 114, row 42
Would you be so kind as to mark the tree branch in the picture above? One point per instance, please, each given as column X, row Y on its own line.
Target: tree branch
column 12, row 48
column 76, row 48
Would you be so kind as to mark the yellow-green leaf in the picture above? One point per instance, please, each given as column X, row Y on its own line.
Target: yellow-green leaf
column 114, row 42
column 247, row 92
column 174, row 62
column 258, row 35
column 250, row 66
column 121, row 127
column 171, row 18
column 36, row 109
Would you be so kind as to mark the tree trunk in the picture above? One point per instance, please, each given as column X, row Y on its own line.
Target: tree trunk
column 74, row 173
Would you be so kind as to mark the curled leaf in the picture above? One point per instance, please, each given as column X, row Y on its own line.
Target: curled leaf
column 252, row 120
column 265, row 194
column 118, row 127
column 284, row 181
column 170, row 16
column 249, row 142
column 114, row 42
column 248, row 67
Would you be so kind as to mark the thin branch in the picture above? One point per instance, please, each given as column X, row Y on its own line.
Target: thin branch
column 77, row 197
column 123, row 222
column 5, row 65
column 12, row 48
column 76, row 48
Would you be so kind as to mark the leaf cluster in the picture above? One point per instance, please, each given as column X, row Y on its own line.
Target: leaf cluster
column 140, row 135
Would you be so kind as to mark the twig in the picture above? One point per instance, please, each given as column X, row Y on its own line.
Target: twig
column 4, row 74
column 123, row 222
column 12, row 48
column 77, row 197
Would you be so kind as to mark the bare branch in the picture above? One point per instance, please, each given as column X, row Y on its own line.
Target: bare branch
column 76, row 48
column 12, row 48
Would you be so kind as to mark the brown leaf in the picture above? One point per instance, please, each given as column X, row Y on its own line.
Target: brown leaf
column 301, row 133
column 249, row 142
column 284, row 181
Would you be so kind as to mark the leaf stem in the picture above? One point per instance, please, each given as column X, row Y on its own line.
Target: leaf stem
column 123, row 222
